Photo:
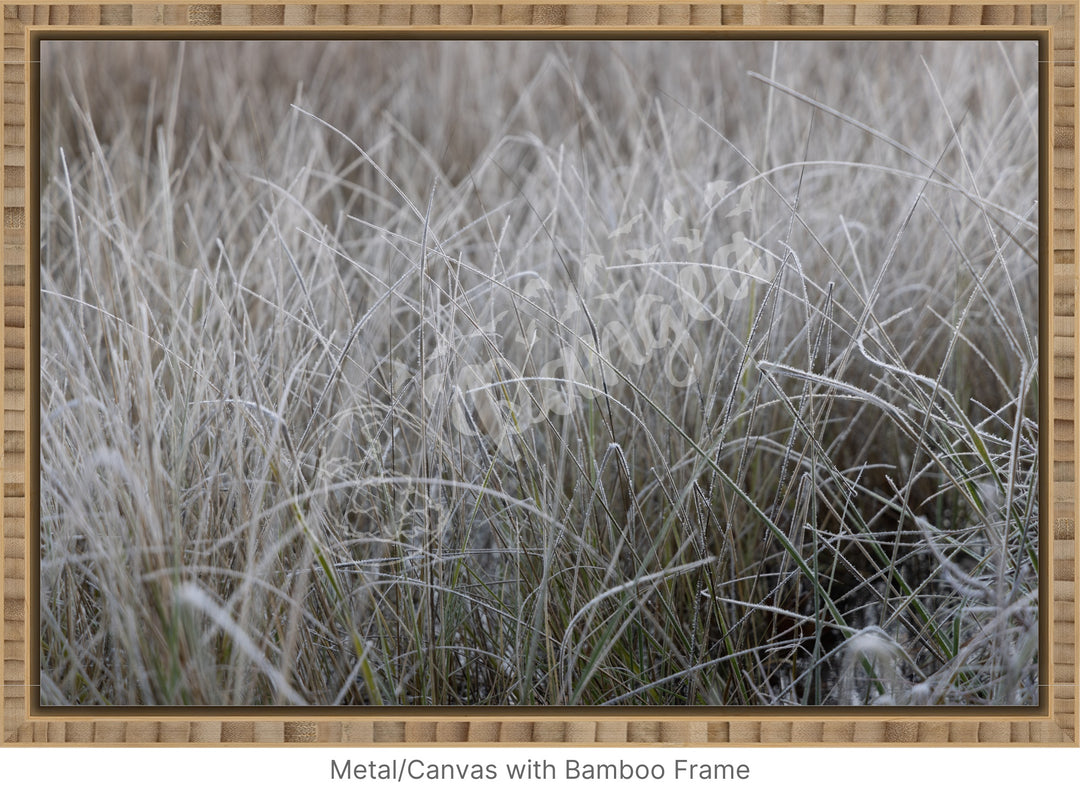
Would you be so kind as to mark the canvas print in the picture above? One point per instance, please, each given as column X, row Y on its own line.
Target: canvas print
column 553, row 373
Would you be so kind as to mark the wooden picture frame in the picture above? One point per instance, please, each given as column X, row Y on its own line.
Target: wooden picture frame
column 1054, row 721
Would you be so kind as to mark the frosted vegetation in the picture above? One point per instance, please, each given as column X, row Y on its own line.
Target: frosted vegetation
column 539, row 373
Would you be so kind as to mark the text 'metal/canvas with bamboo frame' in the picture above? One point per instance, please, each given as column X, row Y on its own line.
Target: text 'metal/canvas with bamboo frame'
column 1053, row 721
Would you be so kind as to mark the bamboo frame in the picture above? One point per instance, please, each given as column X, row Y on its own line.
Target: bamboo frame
column 1053, row 722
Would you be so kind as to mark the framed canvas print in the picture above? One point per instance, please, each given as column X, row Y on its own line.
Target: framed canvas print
column 601, row 373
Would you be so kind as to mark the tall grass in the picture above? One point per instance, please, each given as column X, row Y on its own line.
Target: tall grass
column 539, row 373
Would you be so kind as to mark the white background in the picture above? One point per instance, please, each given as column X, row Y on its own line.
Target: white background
column 776, row 773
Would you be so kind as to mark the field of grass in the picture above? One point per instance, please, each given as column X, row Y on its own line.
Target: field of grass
column 515, row 373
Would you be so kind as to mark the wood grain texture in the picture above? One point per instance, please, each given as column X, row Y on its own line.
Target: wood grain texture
column 1059, row 343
